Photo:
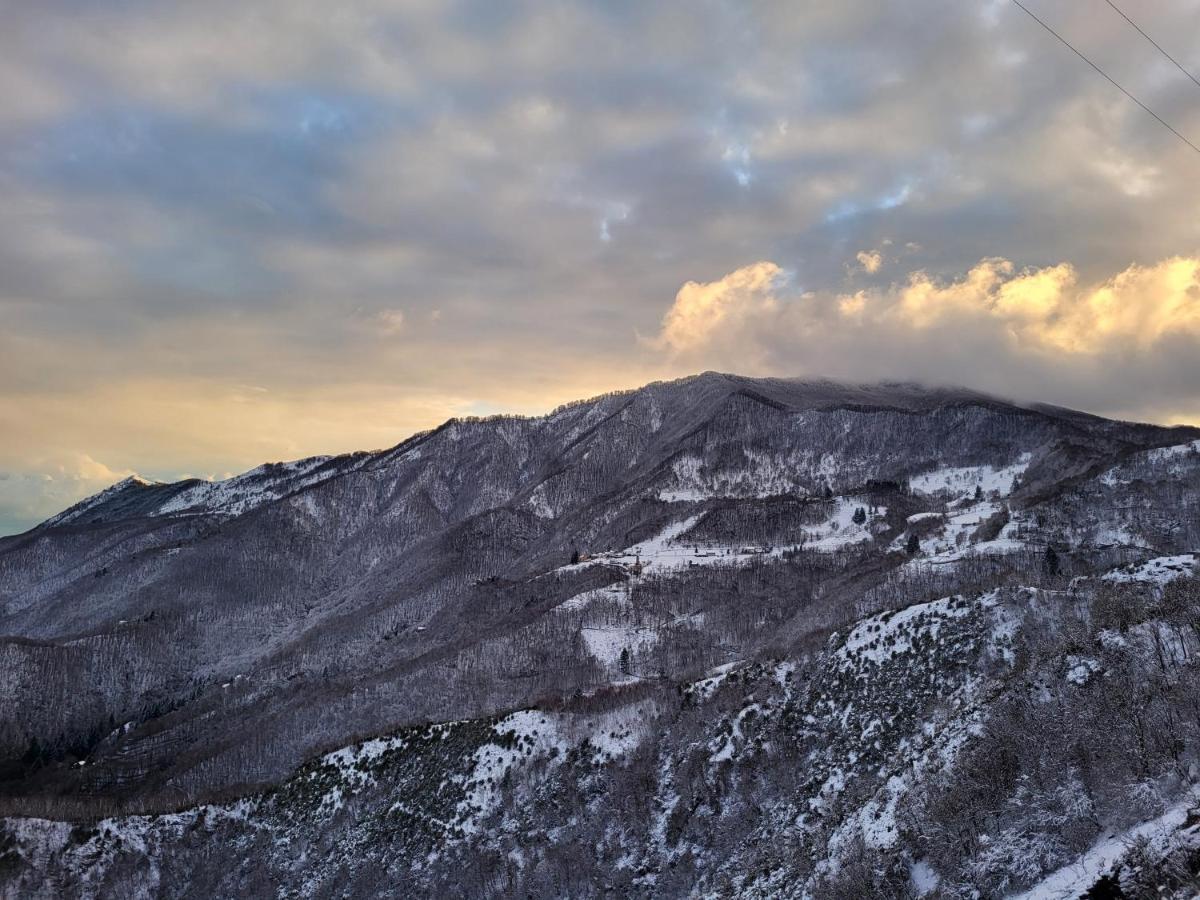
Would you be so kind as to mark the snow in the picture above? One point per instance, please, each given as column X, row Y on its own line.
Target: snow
column 242, row 493
column 1160, row 570
column 1116, row 536
column 666, row 550
column 964, row 479
column 606, row 643
column 1004, row 628
column 90, row 503
column 1070, row 881
column 1163, row 454
column 878, row 819
column 881, row 637
column 670, row 548
column 1081, row 668
column 539, row 503
column 232, row 496
column 924, row 879
column 923, row 517
column 684, row 495
column 537, row 735
column 616, row 734
column 840, row 529
column 1167, row 458
column 615, row 593
column 952, row 542
column 542, row 735
column 723, row 747
column 707, row 686
column 763, row 475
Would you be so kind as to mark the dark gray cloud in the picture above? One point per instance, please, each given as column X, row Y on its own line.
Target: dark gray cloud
column 472, row 204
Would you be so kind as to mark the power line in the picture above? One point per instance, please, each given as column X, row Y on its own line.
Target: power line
column 1107, row 77
column 1178, row 65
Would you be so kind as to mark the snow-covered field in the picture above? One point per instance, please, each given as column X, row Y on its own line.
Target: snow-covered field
column 952, row 541
column 963, row 480
column 671, row 548
column 605, row 643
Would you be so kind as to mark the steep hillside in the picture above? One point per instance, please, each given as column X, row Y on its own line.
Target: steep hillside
column 721, row 636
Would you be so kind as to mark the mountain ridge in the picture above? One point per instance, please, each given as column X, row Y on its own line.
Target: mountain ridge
column 594, row 567
column 819, row 394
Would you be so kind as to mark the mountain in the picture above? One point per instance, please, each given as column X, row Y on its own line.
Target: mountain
column 718, row 637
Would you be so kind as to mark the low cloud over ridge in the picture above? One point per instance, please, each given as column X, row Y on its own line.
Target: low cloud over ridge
column 1129, row 343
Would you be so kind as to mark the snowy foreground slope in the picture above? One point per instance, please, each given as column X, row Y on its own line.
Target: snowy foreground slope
column 720, row 637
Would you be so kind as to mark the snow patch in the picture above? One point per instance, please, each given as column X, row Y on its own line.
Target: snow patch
column 1160, row 570
column 881, row 637
column 1071, row 881
column 605, row 643
column 1080, row 669
column 965, row 479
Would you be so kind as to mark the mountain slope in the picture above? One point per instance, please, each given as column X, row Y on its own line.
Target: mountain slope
column 172, row 645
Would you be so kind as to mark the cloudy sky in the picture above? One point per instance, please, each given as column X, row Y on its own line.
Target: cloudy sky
column 242, row 231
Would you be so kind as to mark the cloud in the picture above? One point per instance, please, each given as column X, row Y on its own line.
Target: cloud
column 1127, row 343
column 202, row 196
column 703, row 312
column 870, row 260
column 27, row 497
column 390, row 321
column 1047, row 311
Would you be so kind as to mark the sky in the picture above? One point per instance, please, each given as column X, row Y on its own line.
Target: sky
column 238, row 232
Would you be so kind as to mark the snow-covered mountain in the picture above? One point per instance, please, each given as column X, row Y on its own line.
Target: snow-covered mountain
column 714, row 637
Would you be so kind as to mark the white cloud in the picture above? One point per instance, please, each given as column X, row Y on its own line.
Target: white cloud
column 870, row 260
column 702, row 313
column 1041, row 333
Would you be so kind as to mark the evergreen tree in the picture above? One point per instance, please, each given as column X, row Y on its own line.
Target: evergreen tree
column 914, row 545
column 860, row 516
column 1050, row 562
column 626, row 666
column 574, row 556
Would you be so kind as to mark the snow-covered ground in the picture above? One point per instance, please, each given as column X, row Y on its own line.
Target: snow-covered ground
column 883, row 636
column 614, row 593
column 840, row 529
column 952, row 541
column 667, row 550
column 1160, row 570
column 672, row 548
column 535, row 735
column 763, row 475
column 1071, row 881
column 962, row 480
column 605, row 643
column 231, row 496
column 1167, row 461
column 241, row 493
column 706, row 686
column 1115, row 536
